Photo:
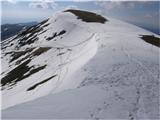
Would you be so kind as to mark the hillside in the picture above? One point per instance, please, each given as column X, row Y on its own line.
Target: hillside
column 73, row 67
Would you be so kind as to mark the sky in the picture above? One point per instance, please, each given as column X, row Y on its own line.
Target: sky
column 142, row 13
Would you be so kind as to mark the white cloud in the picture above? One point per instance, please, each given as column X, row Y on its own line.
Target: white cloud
column 44, row 4
column 80, row 0
column 71, row 7
column 148, row 16
column 155, row 15
column 12, row 1
column 38, row 5
column 109, row 5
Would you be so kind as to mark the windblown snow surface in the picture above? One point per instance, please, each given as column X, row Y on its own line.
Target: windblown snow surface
column 66, row 68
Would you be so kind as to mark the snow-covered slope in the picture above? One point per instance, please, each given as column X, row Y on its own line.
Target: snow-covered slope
column 87, row 69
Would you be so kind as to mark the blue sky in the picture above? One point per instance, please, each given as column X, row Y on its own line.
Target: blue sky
column 142, row 13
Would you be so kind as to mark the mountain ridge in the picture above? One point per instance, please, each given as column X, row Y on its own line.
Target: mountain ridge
column 105, row 67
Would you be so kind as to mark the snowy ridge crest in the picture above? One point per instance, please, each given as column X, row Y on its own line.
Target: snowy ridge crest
column 80, row 65
column 43, row 56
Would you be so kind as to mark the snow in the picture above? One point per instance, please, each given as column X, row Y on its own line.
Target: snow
column 109, row 73
column 82, row 50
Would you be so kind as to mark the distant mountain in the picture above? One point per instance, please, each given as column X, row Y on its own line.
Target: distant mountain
column 80, row 65
column 8, row 30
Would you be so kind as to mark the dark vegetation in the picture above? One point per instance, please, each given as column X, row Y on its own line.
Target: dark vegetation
column 45, row 25
column 40, row 50
column 18, row 73
column 88, row 16
column 28, row 40
column 151, row 39
column 34, row 86
column 43, row 22
column 23, row 59
column 42, row 32
column 56, row 34
column 31, row 38
column 16, row 55
column 6, row 44
column 8, row 30
column 61, row 33
column 32, row 31
column 60, row 53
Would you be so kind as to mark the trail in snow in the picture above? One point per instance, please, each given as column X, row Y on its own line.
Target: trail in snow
column 133, row 114
column 140, row 85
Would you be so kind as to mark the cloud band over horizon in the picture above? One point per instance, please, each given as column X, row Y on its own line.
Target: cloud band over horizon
column 139, row 12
